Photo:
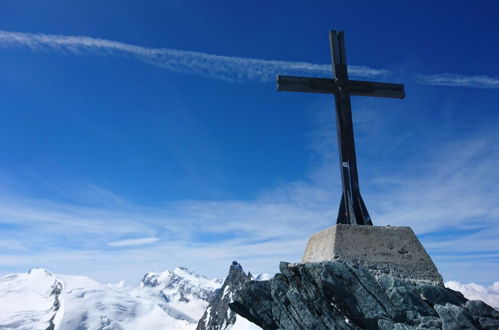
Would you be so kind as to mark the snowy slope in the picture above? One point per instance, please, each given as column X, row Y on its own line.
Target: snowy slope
column 39, row 300
column 243, row 324
column 181, row 292
column 28, row 301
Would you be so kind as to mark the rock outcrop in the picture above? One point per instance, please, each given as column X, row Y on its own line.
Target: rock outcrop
column 218, row 316
column 336, row 295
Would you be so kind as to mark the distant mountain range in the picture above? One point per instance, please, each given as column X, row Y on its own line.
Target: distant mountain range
column 175, row 299
column 40, row 299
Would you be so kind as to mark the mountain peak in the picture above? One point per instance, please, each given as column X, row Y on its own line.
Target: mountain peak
column 185, row 269
column 188, row 274
column 33, row 271
column 237, row 266
column 217, row 314
column 180, row 275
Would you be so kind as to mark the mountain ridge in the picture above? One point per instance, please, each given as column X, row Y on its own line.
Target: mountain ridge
column 173, row 299
column 341, row 295
column 40, row 299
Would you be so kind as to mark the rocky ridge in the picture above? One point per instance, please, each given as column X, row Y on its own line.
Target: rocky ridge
column 336, row 295
column 218, row 316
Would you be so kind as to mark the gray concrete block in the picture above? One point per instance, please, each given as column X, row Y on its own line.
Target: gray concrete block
column 381, row 249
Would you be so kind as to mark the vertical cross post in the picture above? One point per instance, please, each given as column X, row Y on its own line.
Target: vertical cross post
column 352, row 209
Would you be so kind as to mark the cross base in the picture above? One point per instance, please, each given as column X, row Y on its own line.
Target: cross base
column 381, row 249
column 357, row 214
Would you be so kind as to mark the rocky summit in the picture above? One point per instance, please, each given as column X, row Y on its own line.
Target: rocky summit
column 218, row 316
column 336, row 295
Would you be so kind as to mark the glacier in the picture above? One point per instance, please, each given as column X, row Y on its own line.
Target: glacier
column 40, row 299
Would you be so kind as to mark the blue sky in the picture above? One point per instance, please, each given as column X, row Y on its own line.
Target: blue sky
column 140, row 136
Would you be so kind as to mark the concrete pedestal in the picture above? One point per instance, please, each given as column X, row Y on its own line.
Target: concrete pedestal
column 381, row 249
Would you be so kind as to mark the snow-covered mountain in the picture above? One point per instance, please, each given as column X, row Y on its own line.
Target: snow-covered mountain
column 42, row 300
column 29, row 301
column 182, row 293
column 39, row 300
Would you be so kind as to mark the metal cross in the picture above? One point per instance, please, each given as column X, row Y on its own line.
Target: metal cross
column 352, row 208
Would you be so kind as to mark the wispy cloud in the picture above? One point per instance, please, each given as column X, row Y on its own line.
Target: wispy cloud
column 454, row 190
column 209, row 65
column 453, row 79
column 133, row 241
column 448, row 202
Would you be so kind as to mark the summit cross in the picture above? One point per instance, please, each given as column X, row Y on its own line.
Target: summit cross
column 352, row 208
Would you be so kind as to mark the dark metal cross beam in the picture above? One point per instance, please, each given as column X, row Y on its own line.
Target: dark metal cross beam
column 352, row 208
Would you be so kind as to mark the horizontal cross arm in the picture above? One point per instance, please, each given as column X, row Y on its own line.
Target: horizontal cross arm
column 377, row 89
column 307, row 85
column 331, row 86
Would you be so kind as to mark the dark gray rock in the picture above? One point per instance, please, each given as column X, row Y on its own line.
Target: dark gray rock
column 488, row 323
column 455, row 317
column 56, row 292
column 437, row 295
column 479, row 308
column 430, row 322
column 390, row 325
column 336, row 295
column 218, row 316
column 403, row 294
column 486, row 316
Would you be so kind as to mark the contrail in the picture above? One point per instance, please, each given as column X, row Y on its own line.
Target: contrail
column 452, row 79
column 229, row 68
column 198, row 63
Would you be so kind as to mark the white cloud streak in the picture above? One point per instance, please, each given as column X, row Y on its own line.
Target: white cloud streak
column 133, row 241
column 229, row 68
column 453, row 79
column 198, row 63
